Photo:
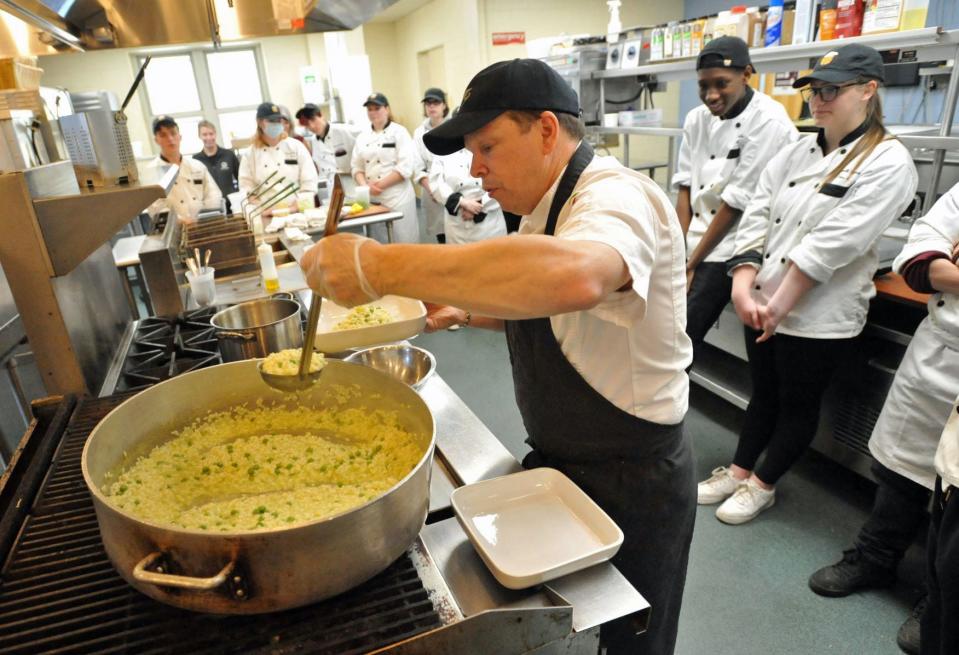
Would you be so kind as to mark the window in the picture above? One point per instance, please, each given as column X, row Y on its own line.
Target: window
column 222, row 86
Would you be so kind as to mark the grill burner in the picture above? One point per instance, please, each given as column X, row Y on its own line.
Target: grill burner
column 165, row 347
column 60, row 594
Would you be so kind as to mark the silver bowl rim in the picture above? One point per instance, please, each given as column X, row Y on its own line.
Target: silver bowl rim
column 268, row 299
column 354, row 358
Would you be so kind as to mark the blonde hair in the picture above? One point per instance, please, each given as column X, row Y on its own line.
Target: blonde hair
column 874, row 135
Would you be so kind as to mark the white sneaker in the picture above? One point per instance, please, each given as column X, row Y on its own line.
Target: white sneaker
column 718, row 487
column 746, row 503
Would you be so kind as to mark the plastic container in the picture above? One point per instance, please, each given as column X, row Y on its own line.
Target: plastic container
column 696, row 36
column 656, row 40
column 755, row 28
column 203, row 286
column 774, row 24
column 849, row 18
column 709, row 30
column 271, row 279
column 670, row 41
column 361, row 195
column 914, row 14
column 827, row 20
column 686, row 49
column 879, row 17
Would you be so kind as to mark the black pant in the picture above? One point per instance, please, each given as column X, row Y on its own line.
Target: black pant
column 637, row 495
column 705, row 301
column 895, row 520
column 789, row 377
column 940, row 623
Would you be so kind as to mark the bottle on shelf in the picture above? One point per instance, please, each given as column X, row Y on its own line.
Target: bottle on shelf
column 774, row 23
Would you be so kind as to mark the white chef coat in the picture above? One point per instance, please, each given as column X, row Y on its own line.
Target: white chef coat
column 288, row 156
column 938, row 230
column 721, row 159
column 451, row 174
column 337, row 137
column 632, row 347
column 830, row 232
column 435, row 212
column 377, row 154
column 947, row 455
column 908, row 429
column 193, row 184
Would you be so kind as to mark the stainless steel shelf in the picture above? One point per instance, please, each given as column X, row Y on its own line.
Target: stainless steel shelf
column 932, row 43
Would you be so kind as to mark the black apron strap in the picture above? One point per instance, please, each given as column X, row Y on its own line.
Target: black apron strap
column 575, row 168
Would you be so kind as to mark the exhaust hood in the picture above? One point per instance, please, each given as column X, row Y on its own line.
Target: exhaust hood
column 36, row 27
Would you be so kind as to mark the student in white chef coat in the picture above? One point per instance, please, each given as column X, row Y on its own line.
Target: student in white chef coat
column 727, row 141
column 194, row 188
column 436, row 110
column 471, row 215
column 940, row 629
column 590, row 294
column 905, row 437
column 271, row 151
column 383, row 159
column 332, row 145
column 806, row 251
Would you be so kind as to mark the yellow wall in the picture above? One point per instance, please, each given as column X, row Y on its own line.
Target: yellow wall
column 381, row 48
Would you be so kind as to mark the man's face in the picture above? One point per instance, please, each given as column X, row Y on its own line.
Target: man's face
column 510, row 162
column 316, row 125
column 208, row 136
column 168, row 138
column 721, row 88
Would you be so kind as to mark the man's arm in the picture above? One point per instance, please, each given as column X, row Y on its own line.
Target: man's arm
column 508, row 278
column 684, row 209
column 724, row 219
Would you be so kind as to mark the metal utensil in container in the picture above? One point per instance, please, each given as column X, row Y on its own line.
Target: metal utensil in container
column 257, row 328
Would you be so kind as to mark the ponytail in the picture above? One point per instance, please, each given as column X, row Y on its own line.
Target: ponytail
column 874, row 135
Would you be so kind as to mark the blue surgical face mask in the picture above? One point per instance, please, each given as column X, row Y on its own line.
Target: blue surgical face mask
column 273, row 130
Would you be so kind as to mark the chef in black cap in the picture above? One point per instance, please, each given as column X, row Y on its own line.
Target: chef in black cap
column 805, row 255
column 273, row 151
column 384, row 158
column 590, row 295
column 435, row 111
column 727, row 141
column 331, row 145
column 194, row 189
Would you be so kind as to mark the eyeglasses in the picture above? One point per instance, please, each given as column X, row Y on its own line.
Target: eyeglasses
column 826, row 93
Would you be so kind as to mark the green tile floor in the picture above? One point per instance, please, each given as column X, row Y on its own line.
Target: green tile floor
column 746, row 587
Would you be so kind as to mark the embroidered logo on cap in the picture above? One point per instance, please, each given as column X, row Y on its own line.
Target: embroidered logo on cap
column 372, row 97
column 466, row 95
column 828, row 57
column 727, row 62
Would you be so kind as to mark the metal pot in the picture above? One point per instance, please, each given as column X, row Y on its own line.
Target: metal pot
column 265, row 570
column 257, row 328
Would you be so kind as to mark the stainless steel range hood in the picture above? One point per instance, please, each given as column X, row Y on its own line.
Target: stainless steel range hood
column 50, row 26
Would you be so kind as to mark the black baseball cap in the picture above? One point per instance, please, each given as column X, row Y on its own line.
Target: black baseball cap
column 847, row 63
column 520, row 84
column 376, row 99
column 724, row 52
column 308, row 111
column 163, row 121
column 434, row 94
column 269, row 111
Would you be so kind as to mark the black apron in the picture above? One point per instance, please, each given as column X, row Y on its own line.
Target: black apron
column 640, row 473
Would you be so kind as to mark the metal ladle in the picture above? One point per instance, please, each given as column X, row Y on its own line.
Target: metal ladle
column 305, row 379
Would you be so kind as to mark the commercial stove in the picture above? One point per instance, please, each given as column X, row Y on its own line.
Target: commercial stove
column 59, row 592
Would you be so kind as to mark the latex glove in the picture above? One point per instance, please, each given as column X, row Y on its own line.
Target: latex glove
column 440, row 317
column 331, row 269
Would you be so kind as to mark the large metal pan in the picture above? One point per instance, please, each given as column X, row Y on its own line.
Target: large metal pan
column 265, row 570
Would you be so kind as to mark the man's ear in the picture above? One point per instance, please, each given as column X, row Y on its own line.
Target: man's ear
column 549, row 131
